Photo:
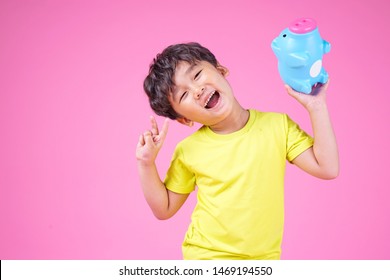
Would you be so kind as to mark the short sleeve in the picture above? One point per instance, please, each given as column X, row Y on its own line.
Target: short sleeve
column 179, row 178
column 298, row 140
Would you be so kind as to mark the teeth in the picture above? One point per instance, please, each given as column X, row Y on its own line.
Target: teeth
column 208, row 99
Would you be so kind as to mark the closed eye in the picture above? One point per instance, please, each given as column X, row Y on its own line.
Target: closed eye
column 197, row 74
column 183, row 95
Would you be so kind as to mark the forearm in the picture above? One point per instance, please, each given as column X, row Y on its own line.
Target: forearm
column 154, row 189
column 325, row 145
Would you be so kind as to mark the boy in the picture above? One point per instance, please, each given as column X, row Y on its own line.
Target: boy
column 236, row 159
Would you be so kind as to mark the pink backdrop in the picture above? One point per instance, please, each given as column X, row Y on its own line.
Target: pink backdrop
column 72, row 107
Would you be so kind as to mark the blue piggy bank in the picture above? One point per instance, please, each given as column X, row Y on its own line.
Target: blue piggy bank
column 299, row 49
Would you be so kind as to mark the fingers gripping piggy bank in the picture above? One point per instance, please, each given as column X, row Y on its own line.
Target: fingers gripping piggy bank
column 299, row 49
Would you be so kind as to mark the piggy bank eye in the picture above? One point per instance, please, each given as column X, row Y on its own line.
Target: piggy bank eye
column 284, row 35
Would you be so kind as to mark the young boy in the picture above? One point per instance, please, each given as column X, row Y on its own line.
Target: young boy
column 236, row 159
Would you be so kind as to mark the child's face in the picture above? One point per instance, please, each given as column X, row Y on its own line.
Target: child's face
column 201, row 93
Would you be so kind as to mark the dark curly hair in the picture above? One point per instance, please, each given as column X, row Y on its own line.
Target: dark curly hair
column 159, row 84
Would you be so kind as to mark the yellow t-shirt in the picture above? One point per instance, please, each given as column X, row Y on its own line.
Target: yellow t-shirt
column 240, row 177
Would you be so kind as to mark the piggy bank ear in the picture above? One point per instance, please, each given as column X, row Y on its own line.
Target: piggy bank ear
column 297, row 59
column 326, row 47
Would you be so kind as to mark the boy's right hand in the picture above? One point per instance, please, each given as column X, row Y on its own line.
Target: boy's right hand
column 150, row 142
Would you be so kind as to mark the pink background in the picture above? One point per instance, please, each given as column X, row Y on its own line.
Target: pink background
column 72, row 107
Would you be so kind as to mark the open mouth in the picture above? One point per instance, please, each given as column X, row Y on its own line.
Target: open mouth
column 212, row 100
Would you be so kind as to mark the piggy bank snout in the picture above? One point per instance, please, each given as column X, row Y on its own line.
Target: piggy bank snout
column 274, row 43
column 275, row 46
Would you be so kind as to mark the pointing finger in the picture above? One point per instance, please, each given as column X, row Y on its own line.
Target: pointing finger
column 154, row 126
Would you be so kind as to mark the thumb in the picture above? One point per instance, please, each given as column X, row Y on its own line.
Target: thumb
column 292, row 92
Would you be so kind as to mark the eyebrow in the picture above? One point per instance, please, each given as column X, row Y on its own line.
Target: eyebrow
column 189, row 69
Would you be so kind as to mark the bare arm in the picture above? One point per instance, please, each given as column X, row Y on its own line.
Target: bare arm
column 322, row 160
column 163, row 202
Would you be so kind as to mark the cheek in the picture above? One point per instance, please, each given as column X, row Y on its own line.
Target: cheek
column 182, row 109
column 221, row 82
column 186, row 106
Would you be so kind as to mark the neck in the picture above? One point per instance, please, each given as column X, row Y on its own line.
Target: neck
column 234, row 122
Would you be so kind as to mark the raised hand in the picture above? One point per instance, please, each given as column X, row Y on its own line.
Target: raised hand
column 310, row 101
column 150, row 142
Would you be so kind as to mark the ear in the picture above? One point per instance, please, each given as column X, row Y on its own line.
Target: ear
column 223, row 70
column 185, row 121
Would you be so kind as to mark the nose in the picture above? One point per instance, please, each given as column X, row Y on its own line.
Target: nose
column 198, row 92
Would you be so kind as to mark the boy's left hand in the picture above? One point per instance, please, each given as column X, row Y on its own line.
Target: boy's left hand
column 310, row 101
